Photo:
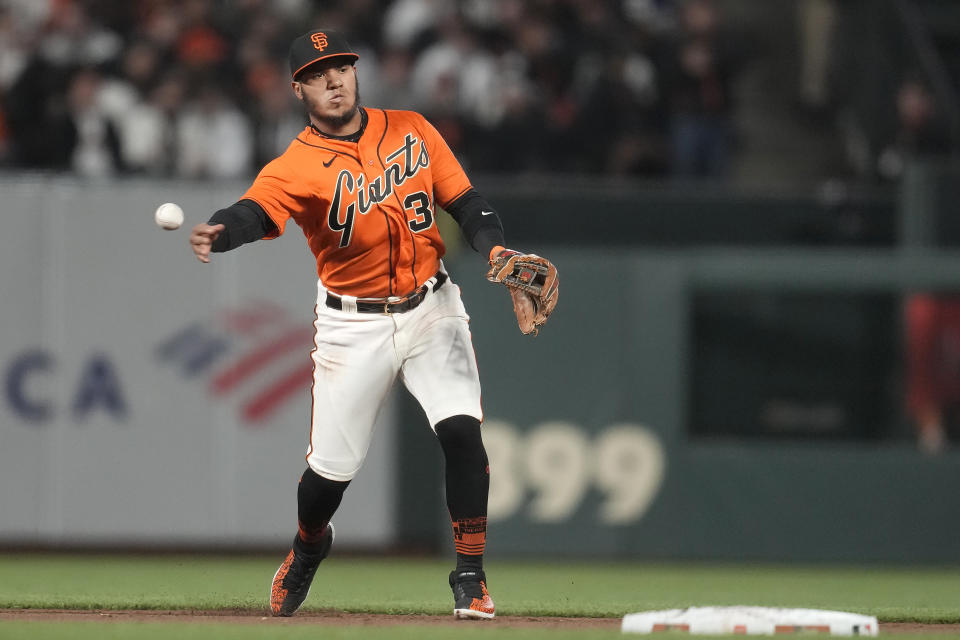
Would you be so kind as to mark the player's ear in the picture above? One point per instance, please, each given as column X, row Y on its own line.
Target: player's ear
column 297, row 90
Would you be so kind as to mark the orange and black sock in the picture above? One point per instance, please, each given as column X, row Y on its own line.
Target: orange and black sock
column 470, row 538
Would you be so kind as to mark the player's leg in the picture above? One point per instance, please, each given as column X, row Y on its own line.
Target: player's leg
column 467, row 476
column 354, row 368
column 440, row 370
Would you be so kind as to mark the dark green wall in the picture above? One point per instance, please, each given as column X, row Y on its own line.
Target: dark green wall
column 582, row 420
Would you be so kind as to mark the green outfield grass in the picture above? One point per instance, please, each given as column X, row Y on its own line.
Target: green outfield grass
column 379, row 585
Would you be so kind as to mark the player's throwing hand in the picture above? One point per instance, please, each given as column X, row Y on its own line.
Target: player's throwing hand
column 201, row 239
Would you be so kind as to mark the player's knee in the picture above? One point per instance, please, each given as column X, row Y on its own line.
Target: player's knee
column 335, row 470
column 459, row 435
column 311, row 481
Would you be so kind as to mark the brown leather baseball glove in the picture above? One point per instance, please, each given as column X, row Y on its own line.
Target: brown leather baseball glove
column 532, row 283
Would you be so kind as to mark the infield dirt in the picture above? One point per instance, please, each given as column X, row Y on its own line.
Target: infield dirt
column 341, row 618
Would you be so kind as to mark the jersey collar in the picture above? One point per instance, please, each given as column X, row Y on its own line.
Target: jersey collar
column 353, row 137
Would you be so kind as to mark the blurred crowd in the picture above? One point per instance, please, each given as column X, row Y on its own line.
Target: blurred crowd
column 201, row 88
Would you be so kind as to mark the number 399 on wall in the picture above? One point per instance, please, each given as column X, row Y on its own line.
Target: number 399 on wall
column 557, row 462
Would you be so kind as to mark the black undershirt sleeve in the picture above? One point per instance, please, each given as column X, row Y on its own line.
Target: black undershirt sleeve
column 244, row 221
column 478, row 222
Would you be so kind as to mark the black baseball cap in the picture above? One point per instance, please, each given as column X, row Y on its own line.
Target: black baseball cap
column 317, row 45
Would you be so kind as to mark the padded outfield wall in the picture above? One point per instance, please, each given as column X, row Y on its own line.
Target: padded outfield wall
column 149, row 399
column 686, row 403
column 611, row 431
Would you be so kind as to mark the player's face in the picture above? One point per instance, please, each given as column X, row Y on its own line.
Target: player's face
column 329, row 92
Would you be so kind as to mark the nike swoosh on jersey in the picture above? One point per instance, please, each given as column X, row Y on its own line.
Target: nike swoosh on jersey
column 486, row 213
column 330, row 161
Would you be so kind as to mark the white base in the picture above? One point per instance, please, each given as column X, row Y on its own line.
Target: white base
column 750, row 621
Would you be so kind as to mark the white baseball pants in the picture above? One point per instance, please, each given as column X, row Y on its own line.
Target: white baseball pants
column 357, row 358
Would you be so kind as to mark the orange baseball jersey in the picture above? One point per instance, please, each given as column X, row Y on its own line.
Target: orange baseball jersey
column 367, row 208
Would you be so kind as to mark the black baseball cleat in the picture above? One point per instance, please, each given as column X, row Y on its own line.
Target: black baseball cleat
column 291, row 583
column 472, row 600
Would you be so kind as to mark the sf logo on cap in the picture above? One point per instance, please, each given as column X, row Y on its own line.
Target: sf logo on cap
column 319, row 41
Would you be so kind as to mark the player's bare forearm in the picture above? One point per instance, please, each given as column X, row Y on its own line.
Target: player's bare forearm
column 201, row 239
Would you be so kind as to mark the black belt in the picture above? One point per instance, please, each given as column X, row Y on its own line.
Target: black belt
column 388, row 305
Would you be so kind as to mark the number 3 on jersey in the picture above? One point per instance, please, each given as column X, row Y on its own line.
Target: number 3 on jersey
column 420, row 203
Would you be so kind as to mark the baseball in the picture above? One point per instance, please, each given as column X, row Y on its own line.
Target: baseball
column 169, row 216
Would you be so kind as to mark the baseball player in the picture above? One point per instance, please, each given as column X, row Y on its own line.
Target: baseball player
column 363, row 185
